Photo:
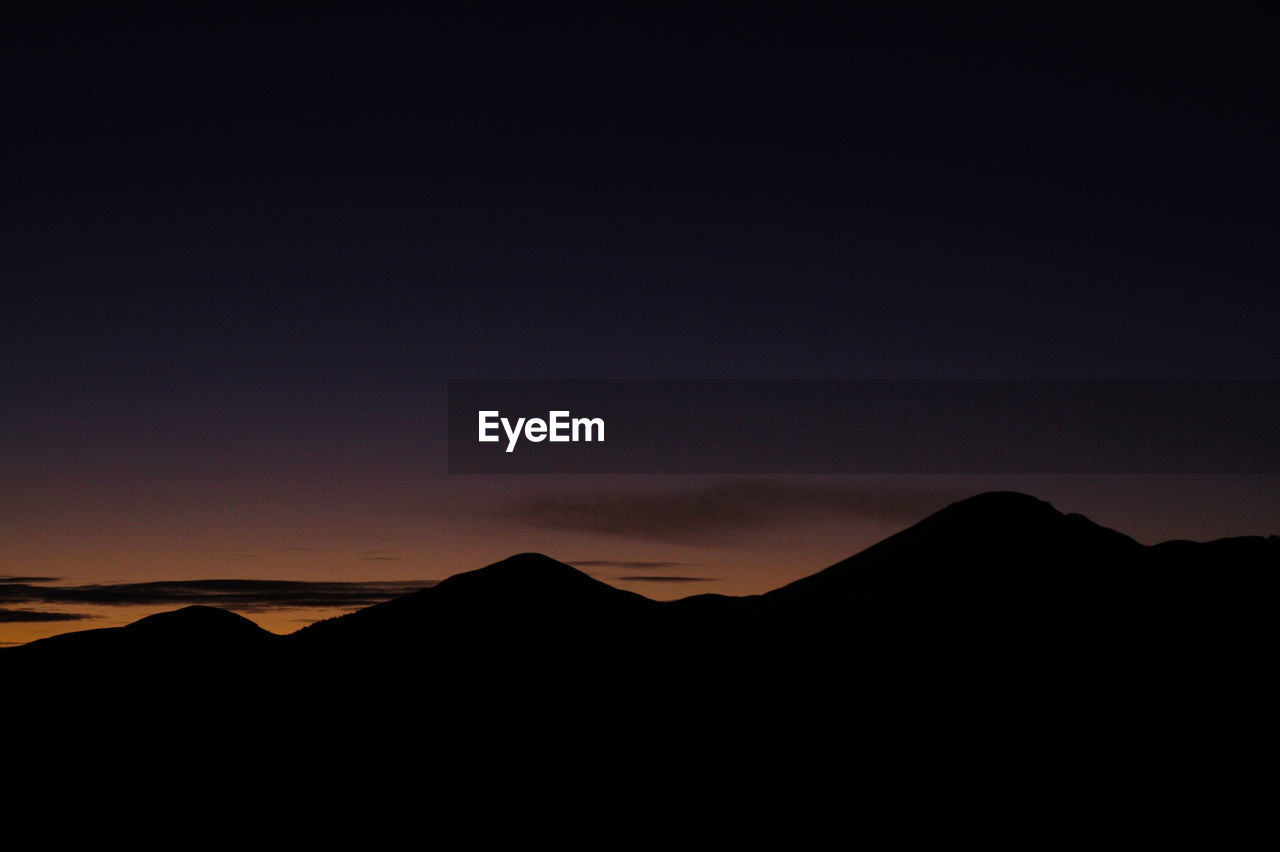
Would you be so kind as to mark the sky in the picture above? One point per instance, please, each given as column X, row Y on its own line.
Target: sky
column 245, row 249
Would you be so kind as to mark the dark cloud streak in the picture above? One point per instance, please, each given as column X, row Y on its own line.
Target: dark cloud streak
column 658, row 578
column 245, row 595
column 720, row 509
column 10, row 616
column 629, row 565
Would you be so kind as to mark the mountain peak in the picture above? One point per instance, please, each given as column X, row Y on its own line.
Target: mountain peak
column 1002, row 503
column 524, row 571
column 529, row 558
column 204, row 622
column 191, row 628
column 524, row 594
column 999, row 545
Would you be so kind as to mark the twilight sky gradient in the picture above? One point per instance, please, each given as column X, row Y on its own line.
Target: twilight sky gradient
column 244, row 250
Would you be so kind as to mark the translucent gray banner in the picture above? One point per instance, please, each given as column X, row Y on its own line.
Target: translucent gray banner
column 863, row 426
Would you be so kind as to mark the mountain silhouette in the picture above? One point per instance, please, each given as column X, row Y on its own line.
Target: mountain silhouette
column 996, row 636
column 995, row 547
column 525, row 597
column 998, row 563
column 188, row 629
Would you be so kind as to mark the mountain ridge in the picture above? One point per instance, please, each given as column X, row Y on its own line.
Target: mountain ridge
column 517, row 595
column 989, row 554
column 1027, row 550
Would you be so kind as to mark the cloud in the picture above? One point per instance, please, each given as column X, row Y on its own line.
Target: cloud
column 12, row 578
column 28, row 615
column 720, row 509
column 659, row 578
column 632, row 566
column 243, row 595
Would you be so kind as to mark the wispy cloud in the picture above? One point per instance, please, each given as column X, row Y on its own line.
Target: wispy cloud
column 244, row 595
column 30, row 615
column 636, row 565
column 626, row 565
column 662, row 578
column 719, row 509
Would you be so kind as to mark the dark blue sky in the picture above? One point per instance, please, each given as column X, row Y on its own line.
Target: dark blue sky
column 765, row 191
